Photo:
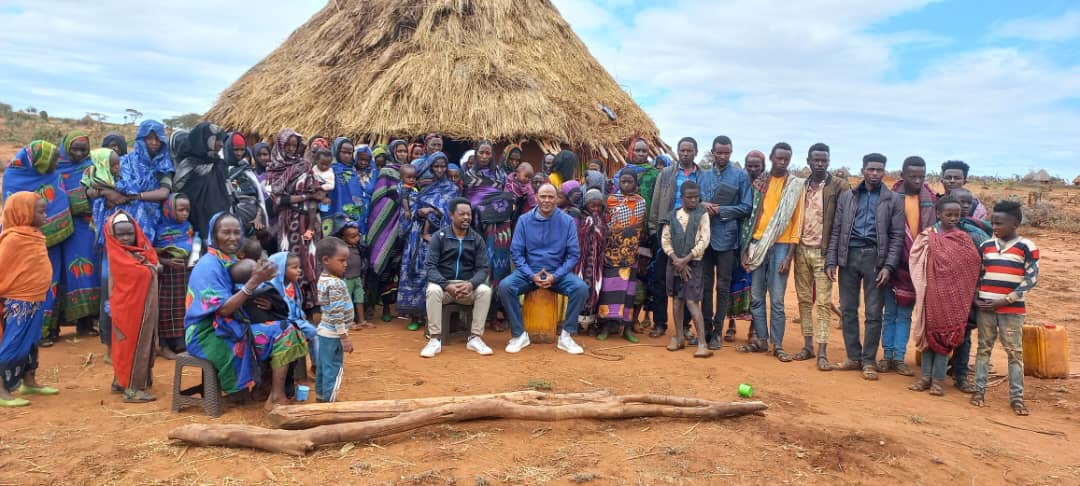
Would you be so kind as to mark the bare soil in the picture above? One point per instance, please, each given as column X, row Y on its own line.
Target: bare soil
column 821, row 428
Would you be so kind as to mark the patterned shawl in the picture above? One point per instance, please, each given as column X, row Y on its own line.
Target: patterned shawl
column 626, row 227
column 71, row 173
column 176, row 237
column 592, row 237
column 901, row 278
column 284, row 168
column 505, row 163
column 120, row 141
column 33, row 170
column 382, row 220
column 754, row 251
column 945, row 267
column 140, row 172
column 348, row 195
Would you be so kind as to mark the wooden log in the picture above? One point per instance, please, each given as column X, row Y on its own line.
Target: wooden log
column 300, row 442
column 306, row 416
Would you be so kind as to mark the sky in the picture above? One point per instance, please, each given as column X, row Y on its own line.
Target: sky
column 995, row 83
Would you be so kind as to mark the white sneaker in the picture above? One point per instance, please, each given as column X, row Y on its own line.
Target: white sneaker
column 518, row 343
column 478, row 345
column 566, row 343
column 433, row 347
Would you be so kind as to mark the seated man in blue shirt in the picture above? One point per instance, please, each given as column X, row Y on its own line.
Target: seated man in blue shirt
column 544, row 250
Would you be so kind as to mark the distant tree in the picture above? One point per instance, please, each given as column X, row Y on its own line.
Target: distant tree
column 183, row 122
column 31, row 110
column 44, row 115
column 98, row 117
column 86, row 119
column 6, row 110
column 132, row 115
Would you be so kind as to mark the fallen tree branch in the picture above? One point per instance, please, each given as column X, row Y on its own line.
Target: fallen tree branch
column 1037, row 431
column 313, row 415
column 300, row 442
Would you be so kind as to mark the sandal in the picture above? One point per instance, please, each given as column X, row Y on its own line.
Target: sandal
column 782, row 355
column 978, row 399
column 753, row 347
column 14, row 402
column 869, row 373
column 729, row 335
column 922, row 384
column 1019, row 408
column 803, row 355
column 675, row 345
column 885, row 365
column 848, row 365
column 602, row 335
column 965, row 386
column 47, row 342
column 38, row 390
column 936, row 389
column 138, row 396
column 386, row 317
column 823, row 364
column 414, row 326
column 657, row 332
column 629, row 336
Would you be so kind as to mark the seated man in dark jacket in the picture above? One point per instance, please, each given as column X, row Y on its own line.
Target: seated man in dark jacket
column 457, row 271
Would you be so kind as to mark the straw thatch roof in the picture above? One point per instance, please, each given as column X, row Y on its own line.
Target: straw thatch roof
column 1076, row 181
column 503, row 70
column 1041, row 176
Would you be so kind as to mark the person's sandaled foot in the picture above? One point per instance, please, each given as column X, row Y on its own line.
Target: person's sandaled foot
column 752, row 347
column 14, row 402
column 675, row 344
column 922, row 384
column 657, row 332
column 702, row 352
column 1019, row 408
column 629, row 336
column 936, row 389
column 414, row 326
column 978, row 399
column 869, row 373
column 637, row 327
column 691, row 339
column 885, row 365
column 803, row 355
column 47, row 342
column 386, row 317
column 115, row 388
column 964, row 386
column 138, row 396
column 602, row 335
column 847, row 365
column 782, row 355
column 902, row 369
column 38, row 390
column 729, row 335
column 498, row 325
column 823, row 364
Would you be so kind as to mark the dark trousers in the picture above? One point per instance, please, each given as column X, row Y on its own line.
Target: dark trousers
column 719, row 266
column 658, row 289
column 860, row 273
column 961, row 357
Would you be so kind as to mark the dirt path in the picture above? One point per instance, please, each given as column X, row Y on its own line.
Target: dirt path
column 822, row 428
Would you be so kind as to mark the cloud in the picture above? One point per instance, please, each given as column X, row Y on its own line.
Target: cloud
column 1053, row 29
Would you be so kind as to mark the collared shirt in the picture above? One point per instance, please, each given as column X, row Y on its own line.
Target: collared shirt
column 730, row 188
column 681, row 176
column 813, row 214
column 864, row 230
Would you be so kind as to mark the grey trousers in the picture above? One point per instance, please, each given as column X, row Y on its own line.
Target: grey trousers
column 859, row 274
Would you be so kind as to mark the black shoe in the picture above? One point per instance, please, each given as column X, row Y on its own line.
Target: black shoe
column 657, row 332
column 714, row 342
column 691, row 340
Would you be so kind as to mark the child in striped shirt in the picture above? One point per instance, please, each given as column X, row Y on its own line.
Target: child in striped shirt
column 337, row 316
column 1010, row 270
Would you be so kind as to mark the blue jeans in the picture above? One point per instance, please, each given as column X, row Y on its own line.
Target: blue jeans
column 934, row 364
column 329, row 369
column 517, row 284
column 767, row 278
column 895, row 327
column 1009, row 328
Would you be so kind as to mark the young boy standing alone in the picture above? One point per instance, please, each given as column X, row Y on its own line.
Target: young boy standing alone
column 337, row 316
column 1010, row 269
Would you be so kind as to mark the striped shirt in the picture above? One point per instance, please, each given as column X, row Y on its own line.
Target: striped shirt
column 337, row 307
column 1010, row 270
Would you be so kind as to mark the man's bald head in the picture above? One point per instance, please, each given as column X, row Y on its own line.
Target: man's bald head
column 545, row 198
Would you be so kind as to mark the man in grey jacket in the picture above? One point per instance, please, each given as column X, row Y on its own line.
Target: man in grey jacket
column 866, row 239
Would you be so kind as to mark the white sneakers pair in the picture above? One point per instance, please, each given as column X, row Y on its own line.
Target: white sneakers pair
column 477, row 345
column 566, row 343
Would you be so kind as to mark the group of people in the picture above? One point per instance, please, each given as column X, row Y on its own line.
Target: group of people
column 253, row 256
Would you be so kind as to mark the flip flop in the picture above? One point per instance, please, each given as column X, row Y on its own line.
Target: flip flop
column 869, row 373
column 38, row 390
column 629, row 336
column 729, row 336
column 782, row 355
column 138, row 396
column 823, row 364
column 803, row 355
column 1019, row 408
column 14, row 402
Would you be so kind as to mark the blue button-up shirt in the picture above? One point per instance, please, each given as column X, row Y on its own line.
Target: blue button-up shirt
column 864, row 230
column 680, row 177
column 730, row 188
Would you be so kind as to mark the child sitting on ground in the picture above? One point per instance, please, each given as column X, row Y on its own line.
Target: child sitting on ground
column 684, row 240
column 1010, row 268
column 944, row 271
column 354, row 273
column 337, row 315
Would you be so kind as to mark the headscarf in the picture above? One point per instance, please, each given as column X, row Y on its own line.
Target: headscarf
column 566, row 164
column 71, row 173
column 391, row 158
column 283, row 168
column 348, row 194
column 438, row 192
column 466, row 159
column 174, row 236
column 755, row 154
column 413, row 145
column 101, row 172
column 664, row 159
column 119, row 139
column 141, row 172
column 202, row 140
column 507, row 152
column 178, row 144
column 27, row 271
column 595, row 180
column 31, row 170
column 259, row 169
column 593, row 195
column 203, row 176
column 569, row 188
column 453, row 167
column 380, row 151
column 233, row 140
column 372, row 169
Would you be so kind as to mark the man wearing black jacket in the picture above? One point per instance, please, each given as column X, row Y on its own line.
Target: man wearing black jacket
column 457, row 271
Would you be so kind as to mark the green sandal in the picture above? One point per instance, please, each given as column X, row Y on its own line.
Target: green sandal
column 414, row 326
column 602, row 336
column 14, row 402
column 38, row 390
column 629, row 336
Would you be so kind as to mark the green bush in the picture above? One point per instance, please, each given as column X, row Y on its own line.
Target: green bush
column 47, row 133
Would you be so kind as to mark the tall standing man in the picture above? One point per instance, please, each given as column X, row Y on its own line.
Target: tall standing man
column 865, row 244
column 726, row 195
column 665, row 198
column 812, row 285
column 771, row 230
column 954, row 175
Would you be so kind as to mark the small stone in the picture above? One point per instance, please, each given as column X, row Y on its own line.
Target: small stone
column 936, row 460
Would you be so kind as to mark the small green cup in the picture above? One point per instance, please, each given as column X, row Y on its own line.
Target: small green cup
column 746, row 391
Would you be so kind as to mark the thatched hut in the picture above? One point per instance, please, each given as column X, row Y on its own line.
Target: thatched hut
column 1042, row 177
column 1076, row 181
column 503, row 70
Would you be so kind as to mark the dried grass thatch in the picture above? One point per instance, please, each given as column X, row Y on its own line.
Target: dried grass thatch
column 504, row 70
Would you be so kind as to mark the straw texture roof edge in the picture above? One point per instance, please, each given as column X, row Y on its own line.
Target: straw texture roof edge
column 503, row 70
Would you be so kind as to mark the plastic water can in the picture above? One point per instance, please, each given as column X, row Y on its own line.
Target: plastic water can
column 1046, row 351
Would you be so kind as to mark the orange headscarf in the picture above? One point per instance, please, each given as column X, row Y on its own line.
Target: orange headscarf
column 27, row 272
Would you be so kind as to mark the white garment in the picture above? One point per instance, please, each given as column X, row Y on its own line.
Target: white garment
column 326, row 179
